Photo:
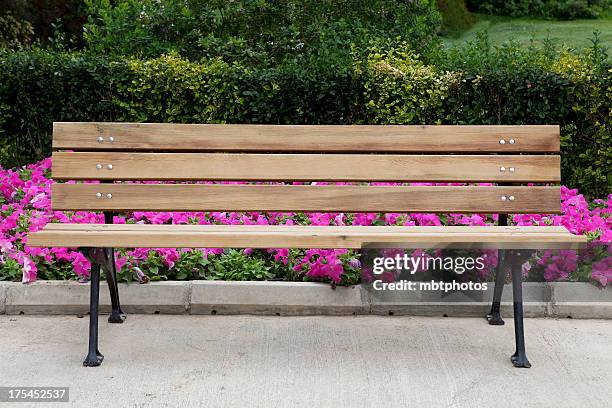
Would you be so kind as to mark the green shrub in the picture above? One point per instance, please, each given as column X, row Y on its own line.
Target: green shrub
column 171, row 89
column 256, row 31
column 558, row 9
column 455, row 16
column 400, row 89
column 14, row 32
column 50, row 19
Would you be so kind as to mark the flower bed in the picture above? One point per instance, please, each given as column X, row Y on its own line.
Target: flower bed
column 26, row 206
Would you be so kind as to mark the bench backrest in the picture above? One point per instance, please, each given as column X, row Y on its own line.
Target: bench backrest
column 507, row 156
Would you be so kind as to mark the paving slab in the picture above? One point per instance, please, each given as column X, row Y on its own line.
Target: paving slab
column 315, row 361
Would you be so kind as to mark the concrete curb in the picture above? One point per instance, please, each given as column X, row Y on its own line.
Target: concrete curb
column 280, row 298
column 580, row 301
column 70, row 297
column 558, row 299
column 536, row 302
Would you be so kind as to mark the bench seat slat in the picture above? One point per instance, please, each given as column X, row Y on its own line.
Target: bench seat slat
column 304, row 138
column 316, row 198
column 227, row 236
column 305, row 167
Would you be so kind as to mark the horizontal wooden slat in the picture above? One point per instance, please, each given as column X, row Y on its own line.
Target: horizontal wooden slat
column 227, row 197
column 304, row 138
column 253, row 236
column 304, row 167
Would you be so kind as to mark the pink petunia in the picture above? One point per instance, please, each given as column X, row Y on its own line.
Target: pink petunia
column 29, row 270
column 602, row 271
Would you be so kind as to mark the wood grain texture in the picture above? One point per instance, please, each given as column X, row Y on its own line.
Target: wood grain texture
column 305, row 138
column 305, row 167
column 231, row 197
column 224, row 236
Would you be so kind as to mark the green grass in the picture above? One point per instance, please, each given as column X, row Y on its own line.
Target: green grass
column 575, row 34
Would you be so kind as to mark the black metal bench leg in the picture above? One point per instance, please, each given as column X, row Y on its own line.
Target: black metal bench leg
column 117, row 315
column 94, row 357
column 519, row 358
column 494, row 316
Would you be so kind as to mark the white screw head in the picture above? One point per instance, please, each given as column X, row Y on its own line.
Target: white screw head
column 110, row 166
column 109, row 195
column 502, row 141
column 502, row 169
column 111, row 139
column 504, row 198
column 100, row 139
column 511, row 169
column 511, row 141
column 99, row 195
column 511, row 198
column 98, row 166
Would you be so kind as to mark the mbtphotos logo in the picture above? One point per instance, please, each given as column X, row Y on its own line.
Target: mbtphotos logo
column 404, row 263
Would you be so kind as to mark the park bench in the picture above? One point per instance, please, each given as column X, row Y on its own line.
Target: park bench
column 118, row 153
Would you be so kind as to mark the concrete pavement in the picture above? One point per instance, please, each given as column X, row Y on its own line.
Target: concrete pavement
column 315, row 361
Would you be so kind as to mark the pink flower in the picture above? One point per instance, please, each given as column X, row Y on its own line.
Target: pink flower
column 170, row 256
column 354, row 263
column 602, row 271
column 340, row 219
column 319, row 218
column 120, row 262
column 80, row 264
column 29, row 270
column 5, row 245
column 427, row 219
column 281, row 255
column 561, row 266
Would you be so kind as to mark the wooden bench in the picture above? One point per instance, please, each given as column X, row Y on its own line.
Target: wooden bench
column 118, row 152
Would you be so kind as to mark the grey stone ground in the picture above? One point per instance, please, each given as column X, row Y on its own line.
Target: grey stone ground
column 361, row 361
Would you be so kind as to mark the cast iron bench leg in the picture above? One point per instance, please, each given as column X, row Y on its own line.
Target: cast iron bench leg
column 94, row 357
column 494, row 316
column 117, row 315
column 519, row 358
column 110, row 268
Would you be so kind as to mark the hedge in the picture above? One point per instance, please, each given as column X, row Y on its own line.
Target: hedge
column 477, row 85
